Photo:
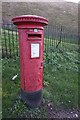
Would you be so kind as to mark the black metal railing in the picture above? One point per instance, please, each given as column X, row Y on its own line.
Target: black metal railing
column 10, row 46
column 55, row 36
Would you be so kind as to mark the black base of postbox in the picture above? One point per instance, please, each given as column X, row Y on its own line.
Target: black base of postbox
column 32, row 99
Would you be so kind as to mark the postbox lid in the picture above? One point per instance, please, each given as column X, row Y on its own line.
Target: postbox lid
column 29, row 18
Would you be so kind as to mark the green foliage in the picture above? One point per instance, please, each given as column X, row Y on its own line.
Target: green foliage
column 61, row 72
column 12, row 106
column 60, row 82
column 10, row 88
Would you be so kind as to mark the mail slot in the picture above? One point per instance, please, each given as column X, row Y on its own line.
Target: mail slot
column 34, row 35
column 31, row 45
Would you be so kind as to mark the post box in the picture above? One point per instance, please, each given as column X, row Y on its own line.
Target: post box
column 31, row 45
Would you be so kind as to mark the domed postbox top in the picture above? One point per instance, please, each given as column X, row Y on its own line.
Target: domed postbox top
column 29, row 19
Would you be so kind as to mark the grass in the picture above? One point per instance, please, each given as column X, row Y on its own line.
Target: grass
column 12, row 106
column 9, row 92
column 62, row 75
column 60, row 80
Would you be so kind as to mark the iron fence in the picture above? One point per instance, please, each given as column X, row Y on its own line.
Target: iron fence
column 54, row 37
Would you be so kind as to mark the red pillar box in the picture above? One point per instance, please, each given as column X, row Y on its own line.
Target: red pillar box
column 31, row 44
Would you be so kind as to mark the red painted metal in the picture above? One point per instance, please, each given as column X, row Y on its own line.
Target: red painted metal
column 30, row 30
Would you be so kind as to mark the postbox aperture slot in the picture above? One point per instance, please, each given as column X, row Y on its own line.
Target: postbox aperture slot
column 34, row 36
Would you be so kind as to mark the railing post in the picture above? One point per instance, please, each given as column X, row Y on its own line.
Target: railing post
column 60, row 37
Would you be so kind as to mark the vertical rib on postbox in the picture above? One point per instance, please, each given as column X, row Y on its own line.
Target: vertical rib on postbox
column 31, row 45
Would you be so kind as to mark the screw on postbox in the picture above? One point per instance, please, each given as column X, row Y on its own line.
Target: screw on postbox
column 31, row 45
